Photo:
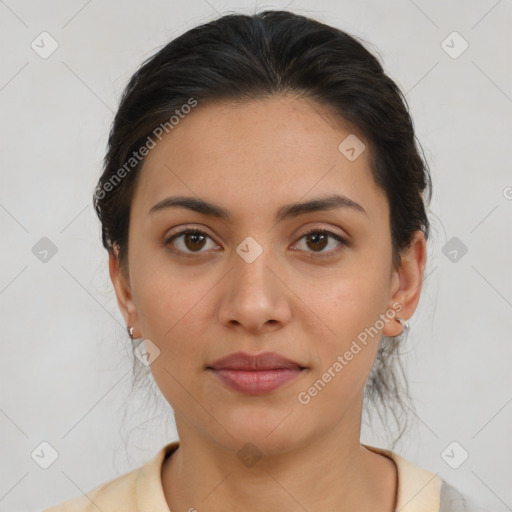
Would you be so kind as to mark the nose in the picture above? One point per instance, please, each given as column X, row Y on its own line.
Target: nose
column 254, row 296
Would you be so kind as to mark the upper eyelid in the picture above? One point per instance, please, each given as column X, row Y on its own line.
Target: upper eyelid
column 186, row 228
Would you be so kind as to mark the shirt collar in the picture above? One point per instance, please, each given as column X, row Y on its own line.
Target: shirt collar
column 419, row 490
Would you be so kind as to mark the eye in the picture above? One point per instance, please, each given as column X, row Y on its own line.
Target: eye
column 189, row 241
column 318, row 239
column 192, row 241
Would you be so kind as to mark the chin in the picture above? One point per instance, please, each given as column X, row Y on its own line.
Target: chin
column 271, row 434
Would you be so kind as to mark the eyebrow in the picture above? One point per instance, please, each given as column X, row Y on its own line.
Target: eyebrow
column 285, row 212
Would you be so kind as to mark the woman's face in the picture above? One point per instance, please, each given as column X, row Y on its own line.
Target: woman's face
column 254, row 280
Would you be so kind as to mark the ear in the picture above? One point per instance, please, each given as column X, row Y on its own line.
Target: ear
column 406, row 284
column 123, row 291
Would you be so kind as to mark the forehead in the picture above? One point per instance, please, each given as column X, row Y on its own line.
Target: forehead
column 255, row 155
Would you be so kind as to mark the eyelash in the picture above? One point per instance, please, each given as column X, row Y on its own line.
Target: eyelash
column 322, row 231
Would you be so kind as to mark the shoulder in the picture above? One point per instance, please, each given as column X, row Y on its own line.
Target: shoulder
column 420, row 490
column 140, row 489
column 119, row 491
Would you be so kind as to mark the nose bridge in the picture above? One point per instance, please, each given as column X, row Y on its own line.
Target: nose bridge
column 251, row 272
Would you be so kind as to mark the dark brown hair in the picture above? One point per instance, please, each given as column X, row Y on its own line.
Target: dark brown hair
column 242, row 57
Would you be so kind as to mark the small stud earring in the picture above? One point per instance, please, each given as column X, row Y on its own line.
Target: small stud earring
column 130, row 332
column 405, row 325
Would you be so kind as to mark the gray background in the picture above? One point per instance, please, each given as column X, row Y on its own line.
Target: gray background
column 65, row 358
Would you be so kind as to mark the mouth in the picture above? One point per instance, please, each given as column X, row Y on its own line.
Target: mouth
column 255, row 374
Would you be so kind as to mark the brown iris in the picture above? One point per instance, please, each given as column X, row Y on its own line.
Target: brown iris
column 318, row 239
column 194, row 241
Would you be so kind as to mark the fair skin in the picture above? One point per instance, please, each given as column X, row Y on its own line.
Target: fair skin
column 199, row 300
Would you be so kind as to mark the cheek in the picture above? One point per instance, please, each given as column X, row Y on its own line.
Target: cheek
column 353, row 301
column 350, row 307
column 346, row 351
column 171, row 311
column 175, row 311
column 167, row 296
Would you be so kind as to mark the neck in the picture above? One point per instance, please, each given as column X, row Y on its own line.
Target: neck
column 329, row 472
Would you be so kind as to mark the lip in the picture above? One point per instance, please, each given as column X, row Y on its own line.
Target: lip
column 262, row 361
column 255, row 374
